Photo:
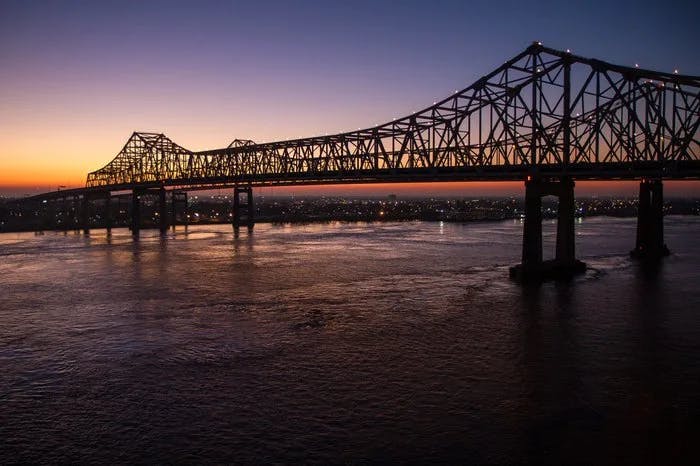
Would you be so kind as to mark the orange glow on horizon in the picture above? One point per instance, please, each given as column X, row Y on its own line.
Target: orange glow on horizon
column 31, row 165
column 40, row 179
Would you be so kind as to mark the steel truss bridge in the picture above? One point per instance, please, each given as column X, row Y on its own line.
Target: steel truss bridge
column 543, row 111
column 546, row 117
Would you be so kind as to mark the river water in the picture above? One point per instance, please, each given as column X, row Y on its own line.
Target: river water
column 347, row 343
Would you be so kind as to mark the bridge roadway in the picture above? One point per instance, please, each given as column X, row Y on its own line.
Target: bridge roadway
column 545, row 117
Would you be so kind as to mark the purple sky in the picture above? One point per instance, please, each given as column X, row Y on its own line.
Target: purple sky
column 79, row 76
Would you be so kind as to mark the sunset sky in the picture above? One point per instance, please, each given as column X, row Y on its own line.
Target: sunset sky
column 78, row 77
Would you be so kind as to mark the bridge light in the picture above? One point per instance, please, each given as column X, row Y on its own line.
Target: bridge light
column 568, row 51
column 675, row 71
column 636, row 65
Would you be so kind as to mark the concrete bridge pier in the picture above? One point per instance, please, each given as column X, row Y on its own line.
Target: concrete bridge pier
column 136, row 211
column 566, row 217
column 163, row 210
column 249, row 218
column 564, row 264
column 108, row 212
column 650, row 221
column 178, row 197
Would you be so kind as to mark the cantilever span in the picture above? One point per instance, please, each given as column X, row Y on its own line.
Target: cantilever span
column 544, row 111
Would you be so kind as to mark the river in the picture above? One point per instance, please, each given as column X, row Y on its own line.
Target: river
column 347, row 343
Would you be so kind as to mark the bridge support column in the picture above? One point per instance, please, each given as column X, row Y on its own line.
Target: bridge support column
column 163, row 210
column 565, row 264
column 566, row 213
column 136, row 212
column 248, row 207
column 650, row 222
column 532, row 226
column 236, row 208
column 108, row 212
column 251, row 208
column 178, row 197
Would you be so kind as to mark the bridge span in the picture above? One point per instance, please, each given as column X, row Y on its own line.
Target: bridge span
column 545, row 117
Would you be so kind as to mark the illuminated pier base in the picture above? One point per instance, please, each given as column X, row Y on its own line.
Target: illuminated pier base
column 650, row 222
column 243, row 213
column 564, row 264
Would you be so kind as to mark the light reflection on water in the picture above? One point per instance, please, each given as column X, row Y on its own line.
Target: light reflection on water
column 343, row 343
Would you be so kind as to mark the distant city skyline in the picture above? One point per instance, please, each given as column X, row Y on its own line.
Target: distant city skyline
column 79, row 77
